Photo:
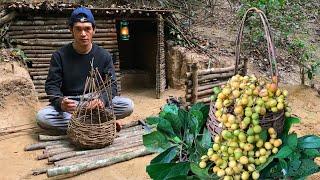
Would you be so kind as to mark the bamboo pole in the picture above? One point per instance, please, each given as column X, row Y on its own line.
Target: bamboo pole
column 215, row 70
column 53, row 152
column 58, row 21
column 51, row 138
column 80, row 168
column 55, row 146
column 42, row 145
column 64, row 156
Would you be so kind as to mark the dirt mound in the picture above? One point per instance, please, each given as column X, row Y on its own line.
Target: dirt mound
column 18, row 100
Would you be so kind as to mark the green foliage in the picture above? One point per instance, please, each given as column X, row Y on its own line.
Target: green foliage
column 288, row 20
column 181, row 138
column 295, row 159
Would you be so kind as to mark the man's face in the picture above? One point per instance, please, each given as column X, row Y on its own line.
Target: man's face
column 82, row 33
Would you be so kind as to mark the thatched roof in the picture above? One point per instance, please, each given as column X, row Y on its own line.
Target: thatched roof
column 66, row 8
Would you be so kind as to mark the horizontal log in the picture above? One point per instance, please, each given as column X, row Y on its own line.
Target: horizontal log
column 38, row 73
column 39, row 59
column 44, row 77
column 53, row 152
column 30, row 47
column 40, row 65
column 39, row 55
column 40, row 42
column 80, row 168
column 28, row 52
column 37, row 69
column 53, row 31
column 55, row 146
column 104, row 36
column 110, row 38
column 59, row 26
column 214, row 70
column 57, row 21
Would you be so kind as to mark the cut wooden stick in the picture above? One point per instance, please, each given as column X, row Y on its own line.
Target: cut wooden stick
column 42, row 145
column 51, row 138
column 84, row 167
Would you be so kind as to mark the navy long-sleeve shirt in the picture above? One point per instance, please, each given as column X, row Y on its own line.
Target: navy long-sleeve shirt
column 68, row 72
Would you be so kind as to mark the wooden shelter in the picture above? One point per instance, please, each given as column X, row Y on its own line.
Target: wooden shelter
column 41, row 29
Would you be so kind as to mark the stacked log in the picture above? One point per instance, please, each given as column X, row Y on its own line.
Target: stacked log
column 67, row 160
column 200, row 82
column 39, row 37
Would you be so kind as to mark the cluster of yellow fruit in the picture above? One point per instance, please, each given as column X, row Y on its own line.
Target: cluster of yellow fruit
column 239, row 149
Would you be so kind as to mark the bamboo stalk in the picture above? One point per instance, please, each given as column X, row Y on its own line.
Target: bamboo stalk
column 215, row 70
column 53, row 152
column 36, row 172
column 80, row 168
column 55, row 146
column 195, row 82
column 64, row 156
column 51, row 138
column 42, row 145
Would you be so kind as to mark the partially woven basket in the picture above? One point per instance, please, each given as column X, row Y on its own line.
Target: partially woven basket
column 93, row 127
column 275, row 120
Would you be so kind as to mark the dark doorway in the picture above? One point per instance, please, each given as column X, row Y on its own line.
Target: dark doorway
column 138, row 55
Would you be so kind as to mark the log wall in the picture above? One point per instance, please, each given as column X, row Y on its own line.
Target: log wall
column 200, row 82
column 39, row 37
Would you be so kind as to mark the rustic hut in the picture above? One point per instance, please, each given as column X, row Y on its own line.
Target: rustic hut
column 41, row 29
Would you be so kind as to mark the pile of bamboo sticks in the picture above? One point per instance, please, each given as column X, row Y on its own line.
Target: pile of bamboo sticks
column 39, row 37
column 199, row 82
column 67, row 160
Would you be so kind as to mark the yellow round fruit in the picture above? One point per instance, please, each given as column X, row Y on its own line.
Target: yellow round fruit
column 274, row 150
column 243, row 160
column 271, row 131
column 277, row 143
column 255, row 175
column 268, row 145
column 245, row 175
column 221, row 173
column 202, row 164
column 251, row 167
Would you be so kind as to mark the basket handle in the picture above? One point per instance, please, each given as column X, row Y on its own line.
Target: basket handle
column 271, row 49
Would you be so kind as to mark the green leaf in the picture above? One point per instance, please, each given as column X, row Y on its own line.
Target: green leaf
column 166, row 156
column 306, row 168
column 170, row 108
column 206, row 139
column 183, row 116
column 202, row 173
column 156, row 142
column 309, row 141
column 262, row 166
column 165, row 127
column 152, row 120
column 284, row 152
column 175, row 122
column 289, row 121
column 197, row 107
column 193, row 125
column 311, row 153
column 293, row 167
column 264, row 134
column 168, row 170
column 284, row 166
column 292, row 140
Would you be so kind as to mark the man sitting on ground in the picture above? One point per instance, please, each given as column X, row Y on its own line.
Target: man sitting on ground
column 69, row 68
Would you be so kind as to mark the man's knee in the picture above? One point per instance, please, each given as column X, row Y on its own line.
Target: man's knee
column 123, row 107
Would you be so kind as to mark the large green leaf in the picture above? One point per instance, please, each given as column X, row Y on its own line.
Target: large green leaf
column 184, row 118
column 292, row 140
column 193, row 125
column 309, row 141
column 311, row 153
column 152, row 120
column 165, row 127
column 170, row 108
column 293, row 167
column 284, row 152
column 206, row 139
column 197, row 107
column 156, row 142
column 168, row 170
column 175, row 122
column 202, row 173
column 283, row 165
column 306, row 168
column 289, row 121
column 166, row 156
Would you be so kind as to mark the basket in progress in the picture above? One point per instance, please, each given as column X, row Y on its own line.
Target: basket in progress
column 93, row 127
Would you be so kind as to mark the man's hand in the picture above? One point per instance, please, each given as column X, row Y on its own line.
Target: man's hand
column 97, row 103
column 68, row 105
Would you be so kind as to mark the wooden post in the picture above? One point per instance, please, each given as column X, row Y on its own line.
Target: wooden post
column 194, row 69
